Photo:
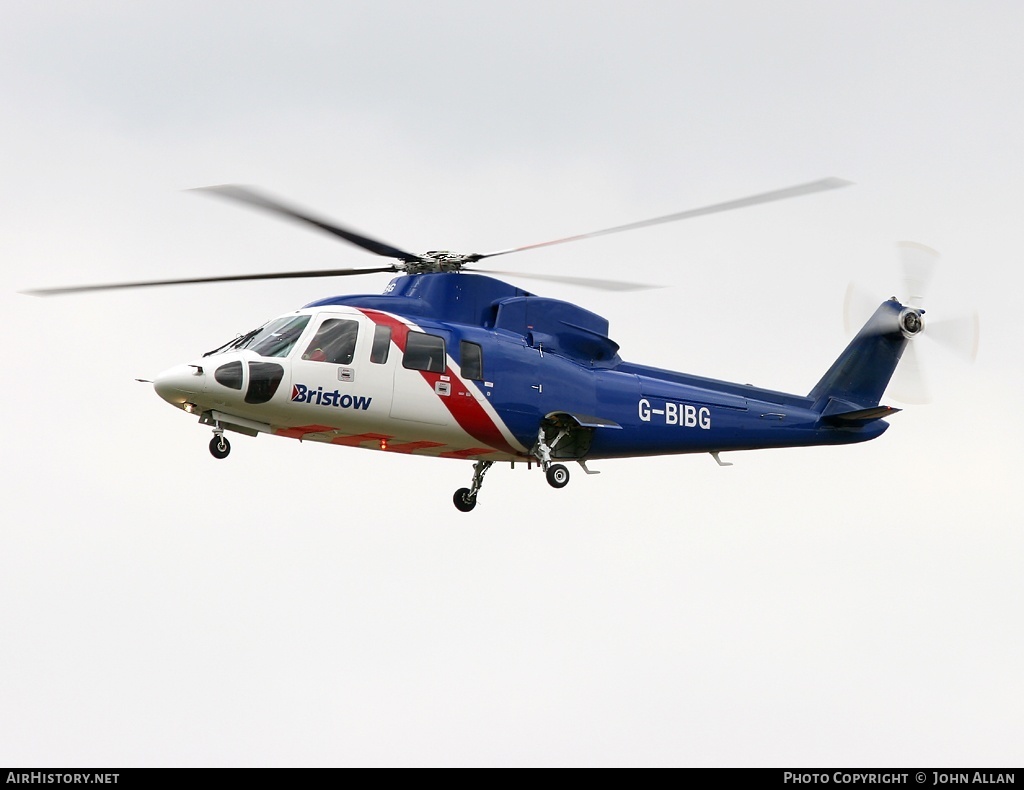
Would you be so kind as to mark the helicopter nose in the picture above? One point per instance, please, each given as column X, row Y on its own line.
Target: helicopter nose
column 180, row 384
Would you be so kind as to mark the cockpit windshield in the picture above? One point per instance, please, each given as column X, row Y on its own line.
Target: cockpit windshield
column 273, row 339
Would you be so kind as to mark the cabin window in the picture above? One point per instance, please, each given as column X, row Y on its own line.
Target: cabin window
column 472, row 357
column 278, row 337
column 381, row 344
column 230, row 375
column 424, row 352
column 334, row 342
column 264, row 379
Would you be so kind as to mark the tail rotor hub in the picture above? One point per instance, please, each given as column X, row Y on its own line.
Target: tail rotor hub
column 911, row 322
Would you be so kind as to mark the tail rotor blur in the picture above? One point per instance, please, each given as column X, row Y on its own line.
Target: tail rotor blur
column 958, row 334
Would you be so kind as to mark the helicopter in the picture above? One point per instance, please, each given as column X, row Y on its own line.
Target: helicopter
column 451, row 363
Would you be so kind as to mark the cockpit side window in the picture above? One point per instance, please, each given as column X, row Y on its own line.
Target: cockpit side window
column 264, row 379
column 230, row 375
column 278, row 337
column 424, row 352
column 381, row 344
column 472, row 357
column 334, row 342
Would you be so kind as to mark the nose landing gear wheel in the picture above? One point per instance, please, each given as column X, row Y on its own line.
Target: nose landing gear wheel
column 219, row 447
column 463, row 500
column 557, row 475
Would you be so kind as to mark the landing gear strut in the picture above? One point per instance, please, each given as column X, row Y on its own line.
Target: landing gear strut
column 465, row 498
column 219, row 445
column 556, row 474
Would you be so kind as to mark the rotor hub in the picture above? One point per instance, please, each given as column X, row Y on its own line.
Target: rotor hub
column 437, row 261
column 911, row 322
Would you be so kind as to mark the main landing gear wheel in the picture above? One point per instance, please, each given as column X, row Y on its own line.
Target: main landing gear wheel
column 220, row 447
column 557, row 475
column 464, row 500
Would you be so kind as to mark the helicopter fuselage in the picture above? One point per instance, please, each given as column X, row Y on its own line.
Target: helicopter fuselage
column 466, row 366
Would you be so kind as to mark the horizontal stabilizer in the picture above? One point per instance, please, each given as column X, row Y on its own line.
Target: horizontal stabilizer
column 857, row 415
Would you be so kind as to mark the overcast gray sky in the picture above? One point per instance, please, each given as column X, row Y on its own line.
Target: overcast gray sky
column 298, row 604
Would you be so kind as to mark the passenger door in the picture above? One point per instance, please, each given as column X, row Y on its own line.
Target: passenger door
column 333, row 370
column 422, row 381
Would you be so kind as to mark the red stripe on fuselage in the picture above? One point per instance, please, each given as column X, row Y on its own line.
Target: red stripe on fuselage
column 412, row 447
column 357, row 439
column 468, row 453
column 468, row 413
column 302, row 430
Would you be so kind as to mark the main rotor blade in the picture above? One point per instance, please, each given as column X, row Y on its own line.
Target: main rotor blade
column 226, row 279
column 253, row 198
column 587, row 282
column 753, row 200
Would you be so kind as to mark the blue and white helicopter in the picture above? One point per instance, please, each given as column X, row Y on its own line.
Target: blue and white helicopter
column 452, row 364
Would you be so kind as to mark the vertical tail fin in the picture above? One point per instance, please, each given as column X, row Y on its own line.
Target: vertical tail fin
column 860, row 375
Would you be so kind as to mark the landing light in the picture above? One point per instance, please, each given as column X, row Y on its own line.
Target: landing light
column 383, row 444
column 189, row 407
